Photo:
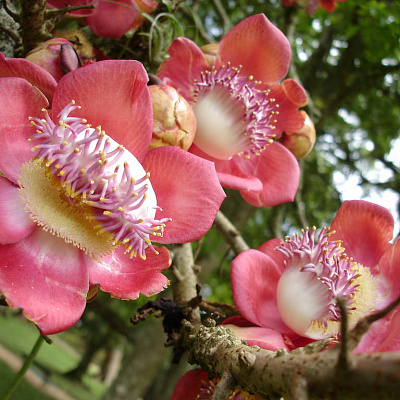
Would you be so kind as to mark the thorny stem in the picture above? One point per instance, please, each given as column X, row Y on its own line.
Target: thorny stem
column 28, row 362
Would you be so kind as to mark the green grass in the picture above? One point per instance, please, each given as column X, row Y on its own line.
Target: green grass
column 19, row 336
column 23, row 391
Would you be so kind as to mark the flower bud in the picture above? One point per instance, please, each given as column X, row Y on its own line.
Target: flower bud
column 174, row 122
column 56, row 56
column 210, row 52
column 81, row 44
column 301, row 143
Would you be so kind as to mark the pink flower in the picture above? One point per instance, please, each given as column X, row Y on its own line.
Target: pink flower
column 110, row 19
column 195, row 385
column 312, row 5
column 291, row 288
column 240, row 108
column 85, row 198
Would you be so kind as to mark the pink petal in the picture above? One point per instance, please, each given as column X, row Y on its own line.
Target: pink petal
column 269, row 247
column 254, row 280
column 185, row 63
column 123, row 16
column 112, row 94
column 187, row 190
column 260, row 47
column 16, row 224
column 19, row 100
column 365, row 229
column 290, row 119
column 383, row 336
column 37, row 76
column 82, row 13
column 229, row 174
column 279, row 172
column 188, row 386
column 389, row 267
column 295, row 92
column 126, row 278
column 45, row 277
column 254, row 335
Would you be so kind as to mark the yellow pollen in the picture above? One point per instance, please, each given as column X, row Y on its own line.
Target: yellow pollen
column 46, row 204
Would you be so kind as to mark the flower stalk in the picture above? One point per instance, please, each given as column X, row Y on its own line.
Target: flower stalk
column 28, row 362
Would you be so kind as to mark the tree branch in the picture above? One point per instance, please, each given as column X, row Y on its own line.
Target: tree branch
column 299, row 376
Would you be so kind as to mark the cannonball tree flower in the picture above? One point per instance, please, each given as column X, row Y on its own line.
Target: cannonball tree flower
column 292, row 287
column 83, row 203
column 311, row 5
column 110, row 19
column 240, row 108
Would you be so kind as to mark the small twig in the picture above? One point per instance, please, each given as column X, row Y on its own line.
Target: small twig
column 12, row 14
column 197, row 249
column 230, row 233
column 364, row 324
column 224, row 306
column 227, row 24
column 59, row 13
column 343, row 360
column 223, row 387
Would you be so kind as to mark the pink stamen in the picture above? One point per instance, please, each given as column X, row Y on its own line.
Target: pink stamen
column 259, row 110
column 327, row 261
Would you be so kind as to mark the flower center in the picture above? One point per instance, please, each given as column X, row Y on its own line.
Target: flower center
column 316, row 274
column 86, row 188
column 234, row 116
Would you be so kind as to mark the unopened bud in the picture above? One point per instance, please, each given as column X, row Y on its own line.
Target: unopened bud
column 174, row 122
column 210, row 52
column 56, row 56
column 301, row 143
